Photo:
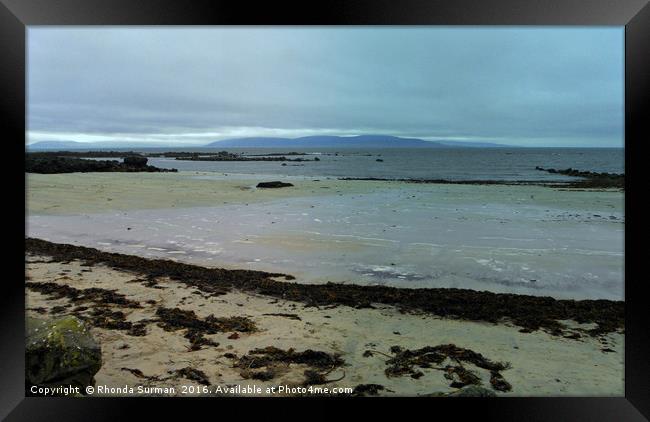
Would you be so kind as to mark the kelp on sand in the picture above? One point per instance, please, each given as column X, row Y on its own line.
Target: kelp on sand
column 530, row 313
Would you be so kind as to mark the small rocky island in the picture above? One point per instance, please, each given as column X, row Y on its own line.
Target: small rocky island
column 62, row 162
column 590, row 179
column 228, row 156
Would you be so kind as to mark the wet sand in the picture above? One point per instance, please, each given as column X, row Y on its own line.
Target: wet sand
column 519, row 239
column 76, row 193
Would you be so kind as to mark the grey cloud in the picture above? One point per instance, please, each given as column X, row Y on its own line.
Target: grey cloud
column 527, row 86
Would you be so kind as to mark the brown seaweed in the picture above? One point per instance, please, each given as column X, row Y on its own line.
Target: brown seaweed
column 93, row 294
column 172, row 319
column 193, row 375
column 100, row 316
column 265, row 364
column 498, row 382
column 367, row 389
column 528, row 312
column 187, row 372
column 406, row 362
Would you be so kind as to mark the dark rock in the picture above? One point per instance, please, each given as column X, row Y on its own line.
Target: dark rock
column 226, row 156
column 275, row 184
column 61, row 162
column 135, row 161
column 590, row 179
column 60, row 352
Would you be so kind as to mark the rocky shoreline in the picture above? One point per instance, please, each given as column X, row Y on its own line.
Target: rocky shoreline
column 46, row 163
column 447, row 181
column 588, row 180
column 72, row 161
column 227, row 156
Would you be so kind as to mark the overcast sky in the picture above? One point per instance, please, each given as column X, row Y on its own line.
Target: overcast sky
column 520, row 86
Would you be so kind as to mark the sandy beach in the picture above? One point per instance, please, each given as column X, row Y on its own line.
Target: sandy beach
column 140, row 348
column 541, row 364
column 58, row 194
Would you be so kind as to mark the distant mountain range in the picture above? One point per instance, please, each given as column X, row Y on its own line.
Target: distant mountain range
column 56, row 145
column 72, row 145
column 361, row 141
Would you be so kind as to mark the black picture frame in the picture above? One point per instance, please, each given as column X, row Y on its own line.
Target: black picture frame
column 16, row 15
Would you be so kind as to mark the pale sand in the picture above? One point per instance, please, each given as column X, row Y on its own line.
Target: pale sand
column 542, row 365
column 79, row 193
column 75, row 193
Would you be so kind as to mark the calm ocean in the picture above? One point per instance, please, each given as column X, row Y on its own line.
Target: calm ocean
column 421, row 163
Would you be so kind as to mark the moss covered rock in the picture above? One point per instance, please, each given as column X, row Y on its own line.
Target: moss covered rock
column 60, row 352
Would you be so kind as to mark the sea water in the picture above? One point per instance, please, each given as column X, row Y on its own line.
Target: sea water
column 518, row 239
column 418, row 163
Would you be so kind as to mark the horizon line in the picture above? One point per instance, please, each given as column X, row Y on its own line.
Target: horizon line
column 208, row 144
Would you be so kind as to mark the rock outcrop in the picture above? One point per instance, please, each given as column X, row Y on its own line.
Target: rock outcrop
column 60, row 352
column 590, row 179
column 45, row 163
column 275, row 184
column 230, row 156
column 135, row 161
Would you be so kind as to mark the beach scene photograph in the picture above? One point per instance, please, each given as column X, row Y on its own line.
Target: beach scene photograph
column 363, row 211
